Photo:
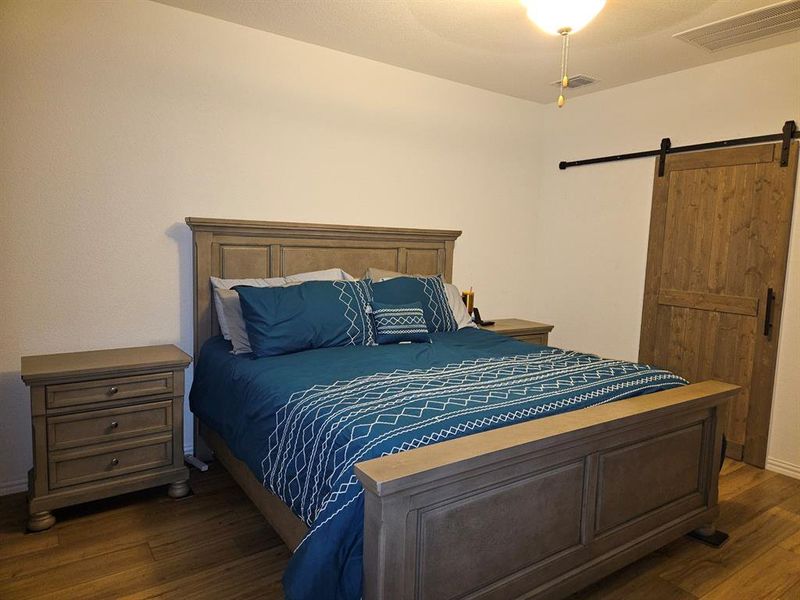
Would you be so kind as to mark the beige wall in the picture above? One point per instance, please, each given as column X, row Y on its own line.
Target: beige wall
column 592, row 241
column 121, row 118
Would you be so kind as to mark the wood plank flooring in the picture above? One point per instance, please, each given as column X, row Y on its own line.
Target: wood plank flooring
column 215, row 545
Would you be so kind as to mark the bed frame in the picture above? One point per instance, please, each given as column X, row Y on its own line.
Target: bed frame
column 535, row 510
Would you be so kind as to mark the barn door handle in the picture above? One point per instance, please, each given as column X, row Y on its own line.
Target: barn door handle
column 768, row 311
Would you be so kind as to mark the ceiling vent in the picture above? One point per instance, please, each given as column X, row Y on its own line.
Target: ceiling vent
column 576, row 81
column 746, row 27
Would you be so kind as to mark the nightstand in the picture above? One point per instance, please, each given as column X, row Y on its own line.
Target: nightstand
column 105, row 422
column 526, row 331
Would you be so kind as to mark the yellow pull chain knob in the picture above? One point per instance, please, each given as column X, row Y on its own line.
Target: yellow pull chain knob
column 565, row 81
column 561, row 101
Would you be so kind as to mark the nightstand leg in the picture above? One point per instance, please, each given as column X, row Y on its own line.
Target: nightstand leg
column 41, row 521
column 179, row 489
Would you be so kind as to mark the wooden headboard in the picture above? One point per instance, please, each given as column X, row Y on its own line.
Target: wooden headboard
column 252, row 249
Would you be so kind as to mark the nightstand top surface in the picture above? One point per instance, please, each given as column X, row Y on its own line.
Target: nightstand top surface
column 510, row 326
column 101, row 362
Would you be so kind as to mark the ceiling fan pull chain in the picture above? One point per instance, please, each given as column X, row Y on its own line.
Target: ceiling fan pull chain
column 564, row 60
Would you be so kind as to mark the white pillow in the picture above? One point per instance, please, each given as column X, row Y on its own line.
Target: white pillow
column 226, row 284
column 326, row 275
column 380, row 274
column 237, row 330
column 457, row 306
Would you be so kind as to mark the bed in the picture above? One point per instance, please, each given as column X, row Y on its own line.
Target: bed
column 536, row 509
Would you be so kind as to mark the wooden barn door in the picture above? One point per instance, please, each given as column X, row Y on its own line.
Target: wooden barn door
column 719, row 239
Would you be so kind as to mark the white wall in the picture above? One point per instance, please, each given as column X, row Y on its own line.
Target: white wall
column 592, row 240
column 119, row 119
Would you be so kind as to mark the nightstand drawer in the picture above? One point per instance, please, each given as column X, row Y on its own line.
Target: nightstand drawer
column 537, row 338
column 97, row 426
column 109, row 460
column 531, row 332
column 104, row 390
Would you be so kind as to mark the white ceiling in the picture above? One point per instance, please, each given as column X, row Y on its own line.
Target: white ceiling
column 491, row 44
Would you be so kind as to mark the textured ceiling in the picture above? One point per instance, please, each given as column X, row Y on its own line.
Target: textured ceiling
column 491, row 44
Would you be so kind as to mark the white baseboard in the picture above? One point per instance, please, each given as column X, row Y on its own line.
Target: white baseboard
column 21, row 485
column 783, row 467
column 13, row 487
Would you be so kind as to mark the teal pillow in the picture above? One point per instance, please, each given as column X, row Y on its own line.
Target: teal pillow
column 395, row 323
column 428, row 291
column 314, row 314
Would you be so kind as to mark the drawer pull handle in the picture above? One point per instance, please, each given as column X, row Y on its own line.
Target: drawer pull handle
column 114, row 424
column 114, row 462
column 113, row 390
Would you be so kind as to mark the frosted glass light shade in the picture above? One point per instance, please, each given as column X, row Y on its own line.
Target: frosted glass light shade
column 553, row 15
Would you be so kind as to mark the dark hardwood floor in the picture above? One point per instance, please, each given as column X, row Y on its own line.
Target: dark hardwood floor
column 215, row 544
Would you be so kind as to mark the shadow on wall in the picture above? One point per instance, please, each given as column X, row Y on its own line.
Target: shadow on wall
column 15, row 446
column 182, row 235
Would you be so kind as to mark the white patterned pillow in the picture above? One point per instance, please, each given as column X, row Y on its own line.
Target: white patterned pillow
column 429, row 292
column 453, row 295
column 396, row 323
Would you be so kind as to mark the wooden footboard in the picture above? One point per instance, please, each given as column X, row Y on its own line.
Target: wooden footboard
column 543, row 508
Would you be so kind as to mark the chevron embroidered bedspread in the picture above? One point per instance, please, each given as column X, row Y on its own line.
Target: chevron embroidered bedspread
column 301, row 421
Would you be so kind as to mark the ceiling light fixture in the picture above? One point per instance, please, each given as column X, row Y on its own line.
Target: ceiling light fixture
column 562, row 17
